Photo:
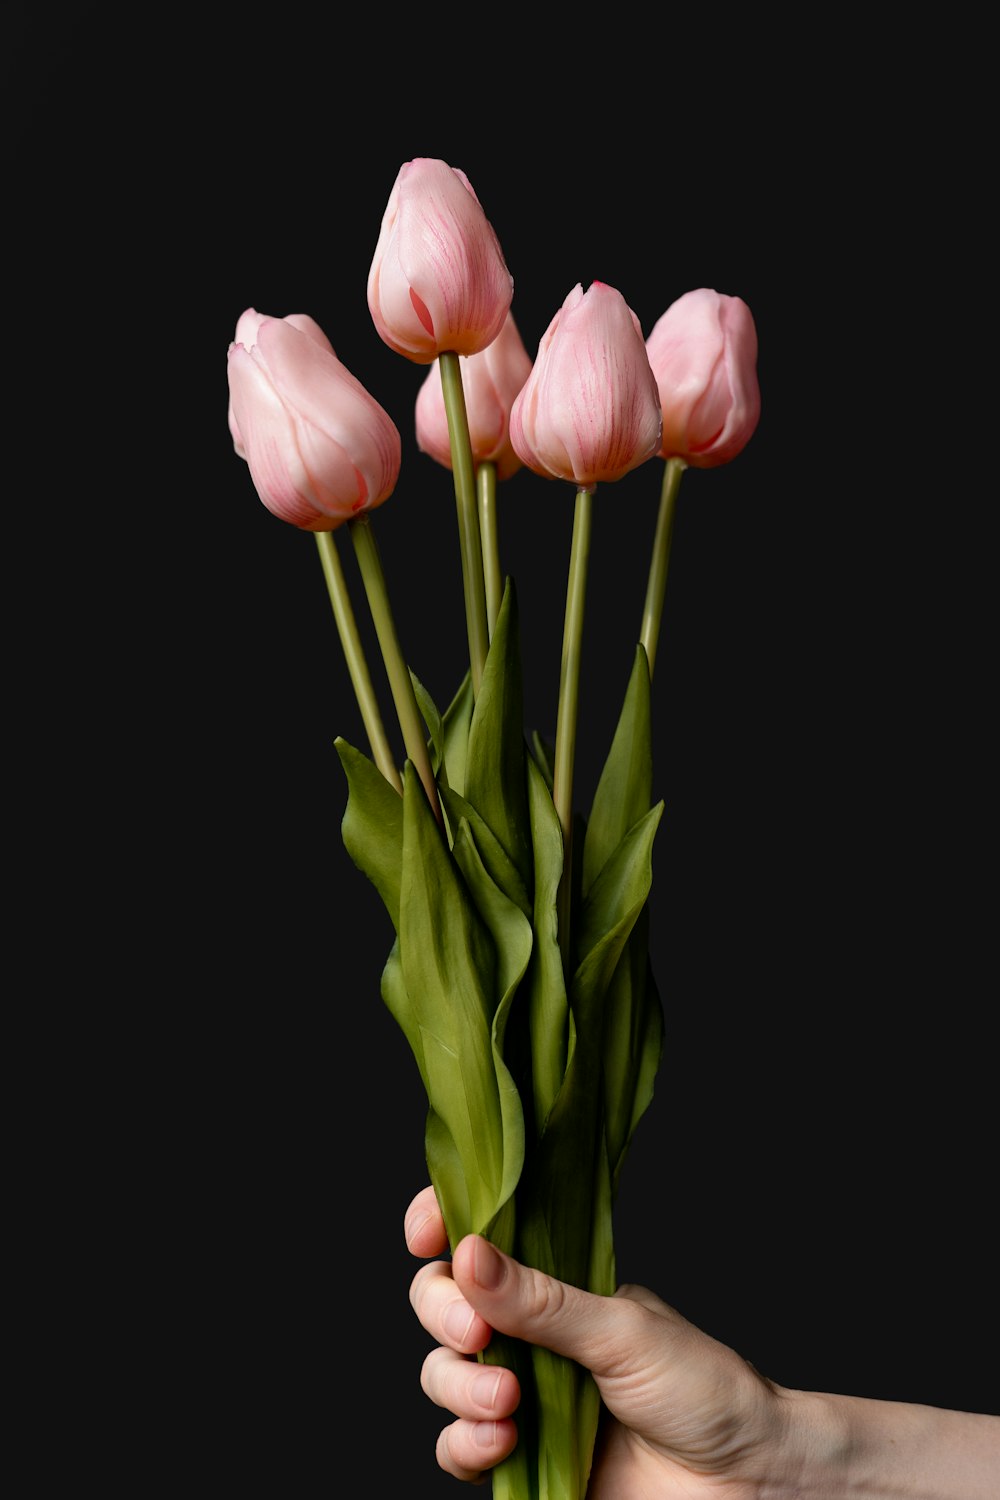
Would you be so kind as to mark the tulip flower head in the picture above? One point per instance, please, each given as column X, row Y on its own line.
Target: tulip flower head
column 590, row 409
column 247, row 325
column 320, row 449
column 491, row 380
column 438, row 280
column 703, row 351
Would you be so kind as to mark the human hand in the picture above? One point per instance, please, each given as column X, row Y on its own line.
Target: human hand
column 680, row 1410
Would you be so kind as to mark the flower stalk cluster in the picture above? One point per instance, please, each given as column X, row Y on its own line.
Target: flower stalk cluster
column 520, row 972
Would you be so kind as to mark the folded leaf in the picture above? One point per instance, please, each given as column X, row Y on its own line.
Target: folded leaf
column 502, row 871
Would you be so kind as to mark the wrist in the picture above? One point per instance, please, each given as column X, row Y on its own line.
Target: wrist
column 832, row 1447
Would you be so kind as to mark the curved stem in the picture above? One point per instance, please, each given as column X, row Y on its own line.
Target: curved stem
column 486, row 481
column 569, row 696
column 660, row 560
column 400, row 681
column 354, row 655
column 463, row 471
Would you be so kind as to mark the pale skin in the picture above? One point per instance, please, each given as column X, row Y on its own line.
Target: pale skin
column 685, row 1417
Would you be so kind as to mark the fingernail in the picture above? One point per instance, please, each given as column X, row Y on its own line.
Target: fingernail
column 457, row 1319
column 487, row 1266
column 484, row 1434
column 485, row 1388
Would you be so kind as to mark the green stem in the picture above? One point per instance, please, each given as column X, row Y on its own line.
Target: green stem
column 660, row 560
column 400, row 681
column 569, row 695
column 354, row 655
column 464, row 474
column 486, row 480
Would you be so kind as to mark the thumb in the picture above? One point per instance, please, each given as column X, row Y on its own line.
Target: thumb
column 529, row 1305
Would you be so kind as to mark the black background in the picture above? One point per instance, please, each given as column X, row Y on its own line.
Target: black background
column 815, row 1181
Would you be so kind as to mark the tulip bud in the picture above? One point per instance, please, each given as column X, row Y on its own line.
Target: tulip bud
column 590, row 409
column 703, row 352
column 490, row 382
column 246, row 333
column 438, row 280
column 320, row 449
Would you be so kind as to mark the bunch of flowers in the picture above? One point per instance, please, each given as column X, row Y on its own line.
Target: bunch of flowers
column 520, row 972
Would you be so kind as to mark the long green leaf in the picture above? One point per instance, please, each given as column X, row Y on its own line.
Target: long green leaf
column 610, row 911
column 433, row 721
column 449, row 976
column 372, row 825
column 512, row 937
column 633, row 1043
column 625, row 785
column 496, row 781
column 548, row 1005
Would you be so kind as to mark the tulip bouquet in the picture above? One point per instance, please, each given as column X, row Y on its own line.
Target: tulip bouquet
column 520, row 972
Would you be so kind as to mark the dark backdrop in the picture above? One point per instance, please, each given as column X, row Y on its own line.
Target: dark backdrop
column 814, row 1180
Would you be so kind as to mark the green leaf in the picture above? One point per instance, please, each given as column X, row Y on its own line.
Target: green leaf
column 633, row 1043
column 372, row 825
column 433, row 720
column 394, row 994
column 496, row 772
column 444, row 1162
column 545, row 757
column 609, row 913
column 456, row 722
column 625, row 785
column 545, row 984
column 512, row 938
column 492, row 852
column 449, row 976
column 555, row 1203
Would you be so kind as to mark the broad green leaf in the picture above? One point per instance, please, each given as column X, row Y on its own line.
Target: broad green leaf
column 449, row 975
column 625, row 786
column 372, row 825
column 444, row 1162
column 496, row 782
column 397, row 1001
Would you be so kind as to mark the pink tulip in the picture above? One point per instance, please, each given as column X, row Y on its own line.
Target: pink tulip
column 590, row 410
column 703, row 352
column 438, row 280
column 490, row 382
column 246, row 333
column 320, row 449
